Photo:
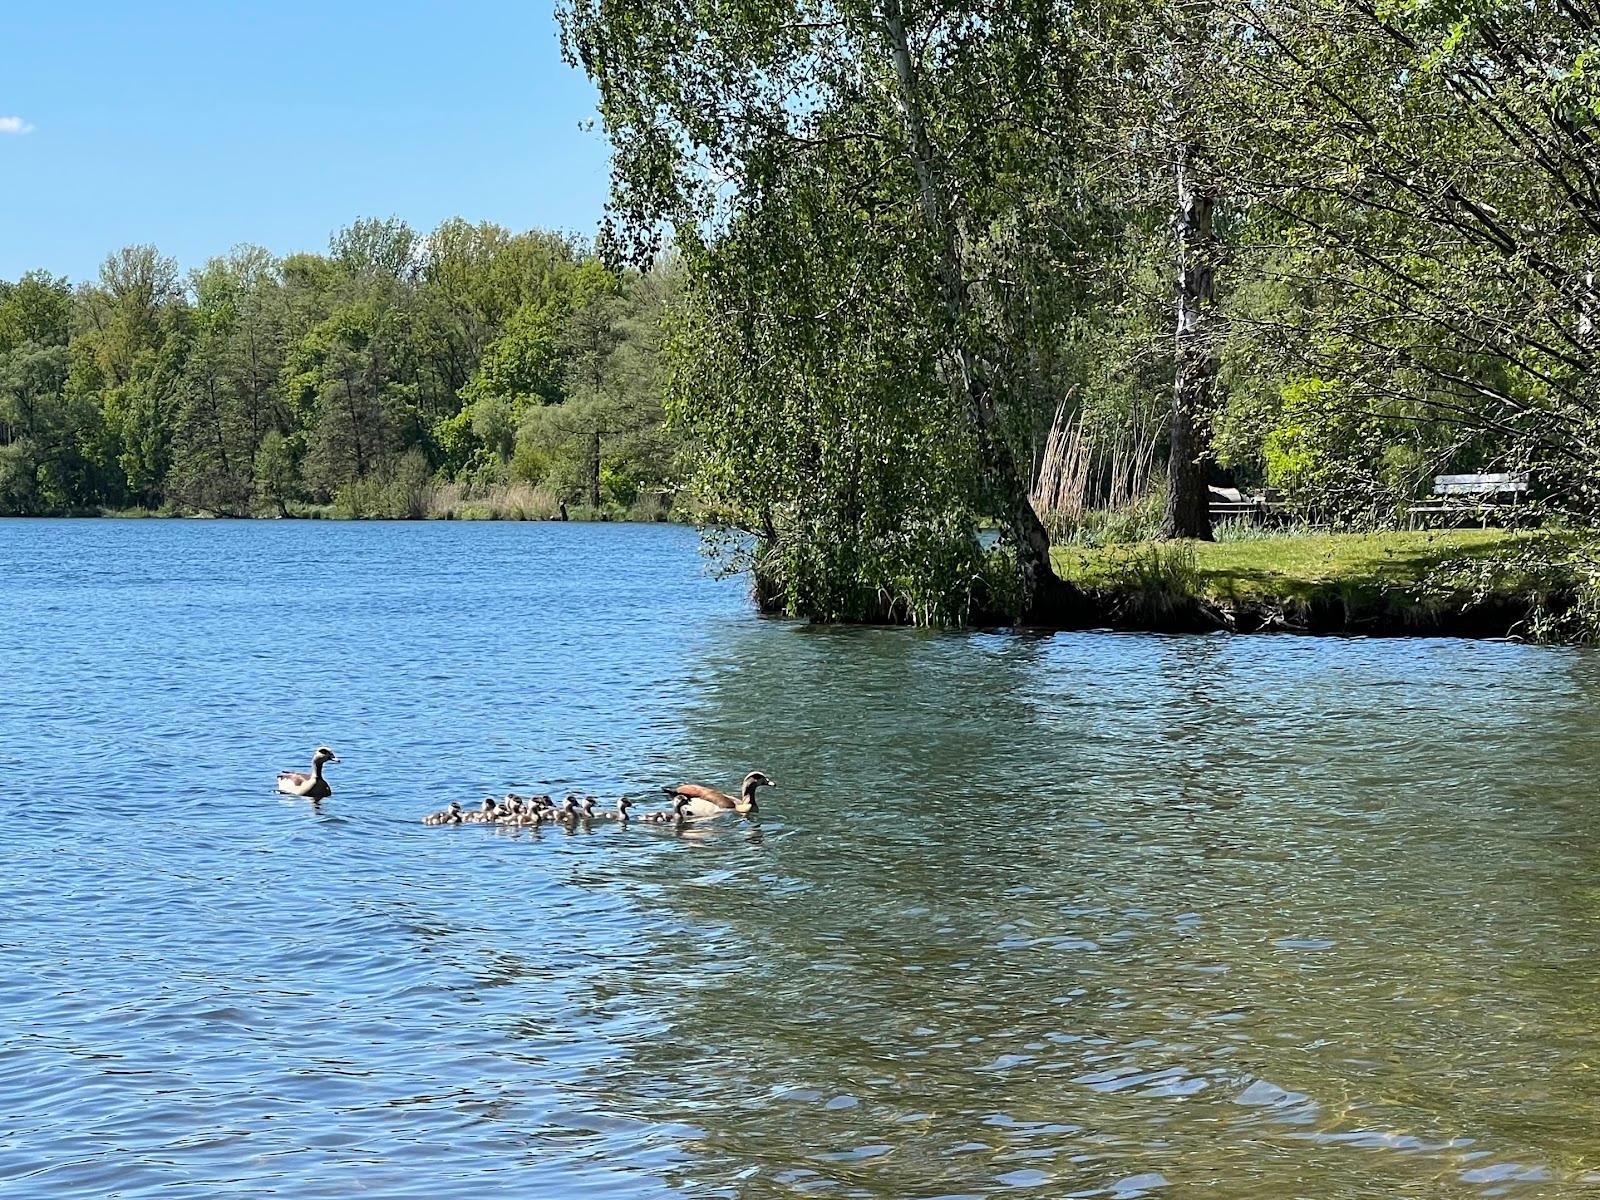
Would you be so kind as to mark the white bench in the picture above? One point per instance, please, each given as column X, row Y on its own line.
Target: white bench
column 1483, row 496
column 1232, row 504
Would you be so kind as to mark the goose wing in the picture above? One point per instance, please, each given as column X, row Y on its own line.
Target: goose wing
column 699, row 807
column 697, row 792
column 293, row 782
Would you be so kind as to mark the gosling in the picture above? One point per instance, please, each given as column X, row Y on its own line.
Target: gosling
column 678, row 815
column 620, row 816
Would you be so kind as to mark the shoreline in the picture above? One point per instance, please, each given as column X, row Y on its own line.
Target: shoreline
column 578, row 517
column 1502, row 619
column 1498, row 619
column 1393, row 584
column 1478, row 584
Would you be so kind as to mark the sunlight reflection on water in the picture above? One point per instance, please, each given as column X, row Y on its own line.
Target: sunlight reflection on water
column 1086, row 915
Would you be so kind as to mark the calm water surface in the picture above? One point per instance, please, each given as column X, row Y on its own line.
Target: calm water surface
column 1086, row 915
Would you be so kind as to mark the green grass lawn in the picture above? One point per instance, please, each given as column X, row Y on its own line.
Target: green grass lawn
column 1301, row 567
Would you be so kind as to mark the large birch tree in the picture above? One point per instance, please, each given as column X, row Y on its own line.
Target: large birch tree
column 866, row 156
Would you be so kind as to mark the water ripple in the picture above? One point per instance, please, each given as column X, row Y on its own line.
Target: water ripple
column 1090, row 915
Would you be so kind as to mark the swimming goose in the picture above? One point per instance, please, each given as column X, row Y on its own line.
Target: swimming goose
column 446, row 816
column 624, row 803
column 486, row 813
column 708, row 802
column 312, row 786
column 588, row 807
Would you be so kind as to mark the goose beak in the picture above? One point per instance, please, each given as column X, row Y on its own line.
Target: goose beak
column 333, row 758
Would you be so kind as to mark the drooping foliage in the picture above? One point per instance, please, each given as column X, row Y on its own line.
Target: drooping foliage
column 828, row 435
column 871, row 208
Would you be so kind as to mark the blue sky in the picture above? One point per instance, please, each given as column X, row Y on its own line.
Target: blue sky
column 201, row 126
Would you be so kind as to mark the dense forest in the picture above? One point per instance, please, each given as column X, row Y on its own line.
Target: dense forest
column 1023, row 265
column 469, row 372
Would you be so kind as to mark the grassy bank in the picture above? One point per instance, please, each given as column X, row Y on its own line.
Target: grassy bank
column 1465, row 582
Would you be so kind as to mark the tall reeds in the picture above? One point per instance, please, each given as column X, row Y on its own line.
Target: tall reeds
column 495, row 502
column 1085, row 467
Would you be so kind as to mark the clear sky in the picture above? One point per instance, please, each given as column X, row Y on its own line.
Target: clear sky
column 199, row 126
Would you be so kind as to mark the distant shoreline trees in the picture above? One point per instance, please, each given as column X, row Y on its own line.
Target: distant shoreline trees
column 472, row 358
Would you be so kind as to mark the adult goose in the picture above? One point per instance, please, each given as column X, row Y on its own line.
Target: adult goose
column 312, row 786
column 701, row 801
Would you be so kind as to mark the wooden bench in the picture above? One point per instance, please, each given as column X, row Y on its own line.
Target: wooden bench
column 1481, row 496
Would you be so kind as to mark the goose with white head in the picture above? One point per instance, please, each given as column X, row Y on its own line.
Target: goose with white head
column 701, row 801
column 312, row 786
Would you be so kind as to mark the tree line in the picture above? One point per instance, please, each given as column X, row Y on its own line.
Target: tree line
column 1330, row 246
column 360, row 381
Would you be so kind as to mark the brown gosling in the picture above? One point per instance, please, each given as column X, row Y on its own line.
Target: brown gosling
column 446, row 816
column 677, row 816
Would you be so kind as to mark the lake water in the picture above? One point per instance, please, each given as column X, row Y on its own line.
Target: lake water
column 1072, row 915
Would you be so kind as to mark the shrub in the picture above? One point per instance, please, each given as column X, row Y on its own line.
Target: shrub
column 1328, row 455
column 400, row 490
column 1124, row 525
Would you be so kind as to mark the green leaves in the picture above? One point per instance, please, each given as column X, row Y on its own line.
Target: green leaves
column 523, row 365
column 854, row 360
column 265, row 382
